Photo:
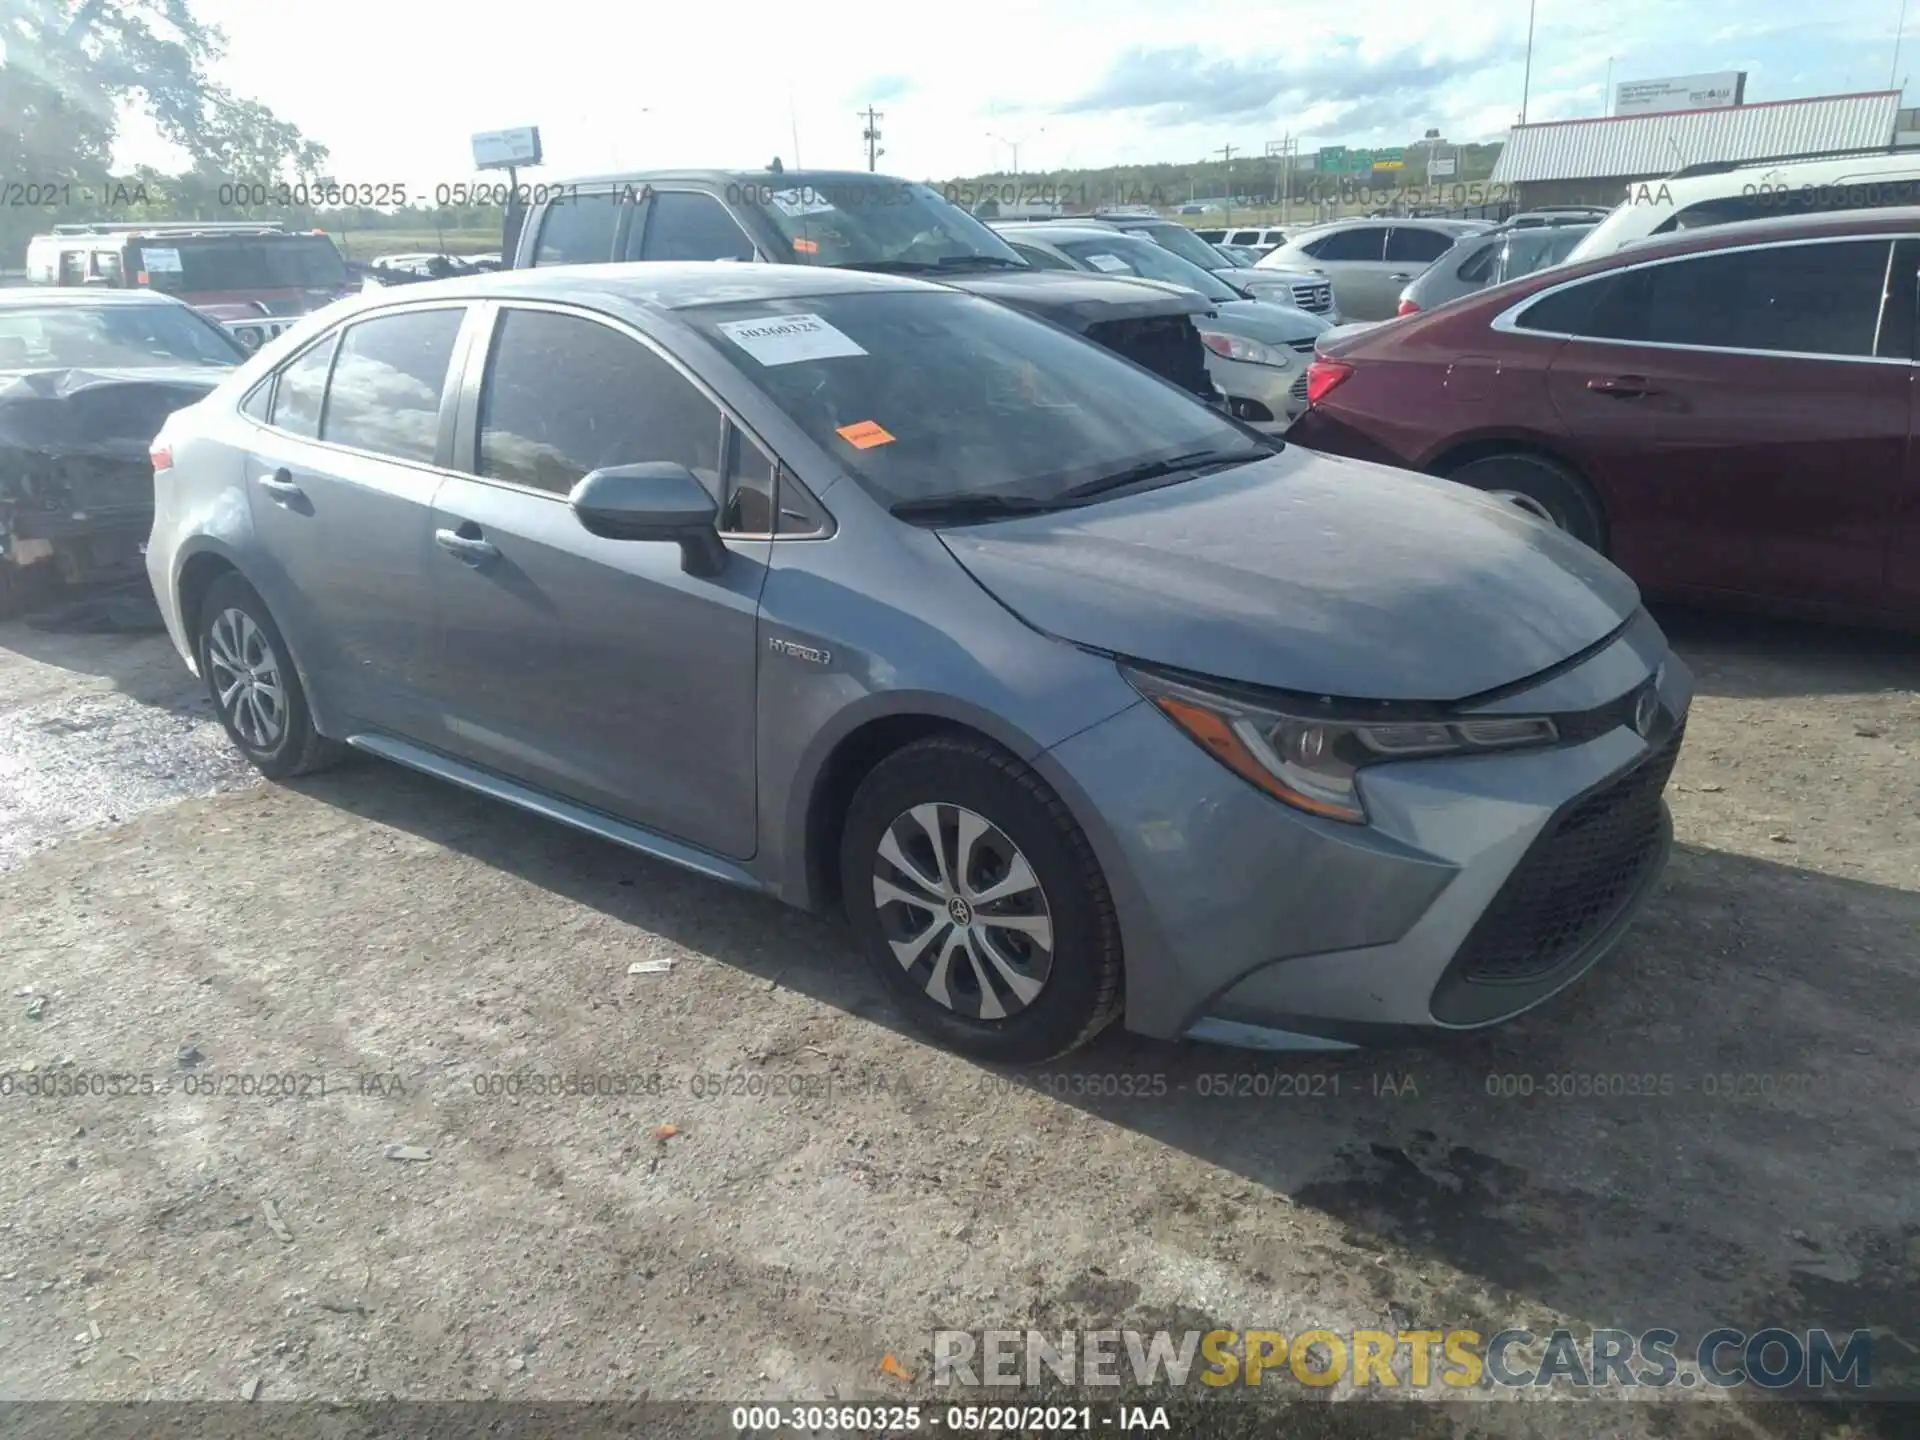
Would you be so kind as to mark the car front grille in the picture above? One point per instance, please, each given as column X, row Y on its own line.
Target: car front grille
column 1575, row 878
column 1298, row 390
column 1303, row 347
column 1314, row 296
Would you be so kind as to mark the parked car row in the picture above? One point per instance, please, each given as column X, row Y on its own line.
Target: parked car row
column 787, row 527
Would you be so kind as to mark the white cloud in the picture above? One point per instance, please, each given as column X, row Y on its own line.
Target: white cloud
column 395, row 90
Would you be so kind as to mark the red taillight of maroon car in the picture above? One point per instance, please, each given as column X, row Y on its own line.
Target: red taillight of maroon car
column 1407, row 307
column 1323, row 376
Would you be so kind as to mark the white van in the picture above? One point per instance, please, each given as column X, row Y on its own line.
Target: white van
column 1716, row 194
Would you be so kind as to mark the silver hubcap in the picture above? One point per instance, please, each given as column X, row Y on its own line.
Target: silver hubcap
column 246, row 677
column 963, row 911
column 1527, row 503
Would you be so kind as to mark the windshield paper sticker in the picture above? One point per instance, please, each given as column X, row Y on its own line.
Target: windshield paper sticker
column 788, row 339
column 796, row 203
column 1112, row 264
column 864, row 435
column 168, row 259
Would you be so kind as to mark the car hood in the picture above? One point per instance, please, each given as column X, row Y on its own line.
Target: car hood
column 1078, row 300
column 1275, row 324
column 1308, row 573
column 1269, row 276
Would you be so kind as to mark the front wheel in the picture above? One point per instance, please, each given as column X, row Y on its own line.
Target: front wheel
column 979, row 903
column 255, row 689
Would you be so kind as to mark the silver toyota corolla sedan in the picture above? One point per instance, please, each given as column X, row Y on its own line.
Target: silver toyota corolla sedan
column 1076, row 697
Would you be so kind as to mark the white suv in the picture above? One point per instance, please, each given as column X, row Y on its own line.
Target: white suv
column 1717, row 194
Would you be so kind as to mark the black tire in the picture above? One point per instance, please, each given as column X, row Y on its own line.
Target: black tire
column 294, row 747
column 1551, row 486
column 21, row 587
column 1081, row 990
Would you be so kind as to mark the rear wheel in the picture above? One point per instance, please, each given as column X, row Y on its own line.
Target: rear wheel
column 1545, row 488
column 979, row 903
column 255, row 689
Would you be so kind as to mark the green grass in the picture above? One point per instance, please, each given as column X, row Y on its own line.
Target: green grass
column 365, row 244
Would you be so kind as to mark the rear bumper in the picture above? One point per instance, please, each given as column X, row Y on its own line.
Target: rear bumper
column 1247, row 923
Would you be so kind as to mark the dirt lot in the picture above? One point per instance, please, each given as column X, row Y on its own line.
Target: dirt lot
column 401, row 945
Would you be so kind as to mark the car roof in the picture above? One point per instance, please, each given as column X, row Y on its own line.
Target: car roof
column 773, row 179
column 35, row 297
column 660, row 284
column 1900, row 219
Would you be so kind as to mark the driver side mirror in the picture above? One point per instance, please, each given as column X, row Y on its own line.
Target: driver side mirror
column 657, row 500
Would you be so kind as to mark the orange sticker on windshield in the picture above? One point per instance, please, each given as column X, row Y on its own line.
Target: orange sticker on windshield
column 864, row 435
column 807, row 247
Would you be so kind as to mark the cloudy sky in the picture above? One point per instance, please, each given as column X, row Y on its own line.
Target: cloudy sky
column 395, row 89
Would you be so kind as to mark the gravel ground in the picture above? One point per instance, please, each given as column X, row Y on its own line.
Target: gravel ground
column 387, row 950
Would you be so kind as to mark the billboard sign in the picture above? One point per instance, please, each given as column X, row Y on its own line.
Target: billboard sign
column 1442, row 167
column 501, row 149
column 1395, row 159
column 1680, row 92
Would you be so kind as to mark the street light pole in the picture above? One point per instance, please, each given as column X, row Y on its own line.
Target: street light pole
column 1526, row 84
column 1899, row 27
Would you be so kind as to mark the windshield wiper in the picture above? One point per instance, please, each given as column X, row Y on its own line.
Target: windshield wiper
column 962, row 507
column 1158, row 469
column 948, row 262
column 890, row 267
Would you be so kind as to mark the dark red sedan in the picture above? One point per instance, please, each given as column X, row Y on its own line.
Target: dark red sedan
column 1727, row 412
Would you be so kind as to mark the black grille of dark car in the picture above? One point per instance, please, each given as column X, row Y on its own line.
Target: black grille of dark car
column 1575, row 877
column 1168, row 345
column 1316, row 297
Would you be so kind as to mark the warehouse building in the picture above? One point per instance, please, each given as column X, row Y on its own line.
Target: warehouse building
column 1592, row 162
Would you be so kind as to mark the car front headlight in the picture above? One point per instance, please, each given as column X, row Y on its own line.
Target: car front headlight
column 1312, row 762
column 1238, row 347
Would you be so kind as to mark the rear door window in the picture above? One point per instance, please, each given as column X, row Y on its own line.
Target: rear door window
column 565, row 395
column 1819, row 299
column 1363, row 242
column 687, row 225
column 1419, row 246
column 386, row 387
column 578, row 230
column 301, row 392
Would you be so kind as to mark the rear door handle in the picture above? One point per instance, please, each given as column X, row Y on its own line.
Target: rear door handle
column 468, row 549
column 1622, row 387
column 280, row 485
column 1401, row 278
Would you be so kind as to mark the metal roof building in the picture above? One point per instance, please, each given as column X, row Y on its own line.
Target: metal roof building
column 1553, row 159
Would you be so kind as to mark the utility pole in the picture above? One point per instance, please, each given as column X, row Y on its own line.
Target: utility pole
column 1899, row 27
column 872, row 136
column 1526, row 84
column 1608, row 98
column 1225, row 152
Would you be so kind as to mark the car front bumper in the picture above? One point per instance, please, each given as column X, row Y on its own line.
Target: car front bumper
column 1281, row 393
column 1246, row 922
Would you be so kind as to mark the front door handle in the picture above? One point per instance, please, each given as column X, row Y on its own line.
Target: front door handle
column 1403, row 279
column 1622, row 387
column 468, row 549
column 280, row 485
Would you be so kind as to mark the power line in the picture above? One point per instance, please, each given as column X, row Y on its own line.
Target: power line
column 872, row 135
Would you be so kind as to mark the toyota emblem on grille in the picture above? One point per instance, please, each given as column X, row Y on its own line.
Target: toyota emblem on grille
column 1644, row 710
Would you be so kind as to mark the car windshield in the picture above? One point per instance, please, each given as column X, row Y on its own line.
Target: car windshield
column 111, row 337
column 930, row 397
column 199, row 265
column 1124, row 255
column 876, row 223
column 1189, row 246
